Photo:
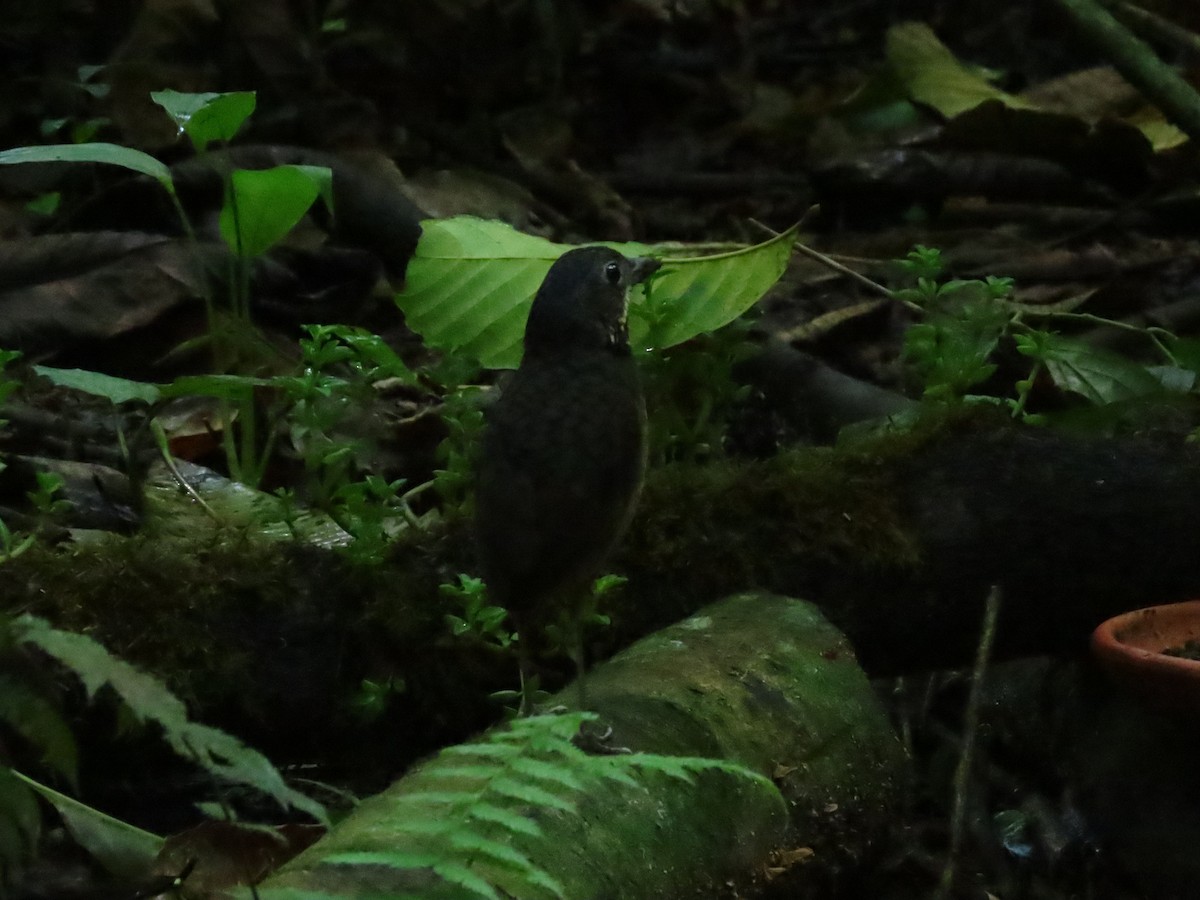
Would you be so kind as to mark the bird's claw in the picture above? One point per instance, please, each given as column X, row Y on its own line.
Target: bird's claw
column 596, row 742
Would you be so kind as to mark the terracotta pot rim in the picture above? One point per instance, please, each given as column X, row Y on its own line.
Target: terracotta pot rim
column 1132, row 639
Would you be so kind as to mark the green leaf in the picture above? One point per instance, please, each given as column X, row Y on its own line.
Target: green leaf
column 695, row 295
column 469, row 286
column 45, row 205
column 529, row 793
column 541, row 770
column 207, row 117
column 933, row 75
column 471, row 282
column 490, row 751
column 476, row 845
column 322, row 177
column 1186, row 352
column 451, row 871
column 225, row 387
column 1099, row 375
column 455, row 772
column 123, row 849
column 263, row 205
column 111, row 154
column 118, row 390
column 225, row 756
column 441, row 798
column 20, row 822
column 35, row 718
column 506, row 818
column 459, row 874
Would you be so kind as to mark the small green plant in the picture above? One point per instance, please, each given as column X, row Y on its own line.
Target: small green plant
column 462, row 413
column 8, row 384
column 370, row 511
column 340, row 368
column 260, row 207
column 13, row 544
column 964, row 321
column 474, row 615
column 691, row 389
column 45, row 497
column 49, row 484
column 46, row 504
column 589, row 615
column 372, row 697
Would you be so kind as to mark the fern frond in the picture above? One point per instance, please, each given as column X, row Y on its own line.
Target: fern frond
column 225, row 756
column 470, row 813
column 539, row 770
column 462, row 875
column 423, row 824
column 445, row 798
column 497, row 751
column 451, row 772
column 505, row 818
column 530, row 793
column 449, row 870
column 474, row 845
column 149, row 700
column 685, row 768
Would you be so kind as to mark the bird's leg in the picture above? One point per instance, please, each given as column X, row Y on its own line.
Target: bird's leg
column 528, row 682
column 576, row 651
column 593, row 737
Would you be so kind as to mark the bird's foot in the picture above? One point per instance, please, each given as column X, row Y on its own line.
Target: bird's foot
column 595, row 737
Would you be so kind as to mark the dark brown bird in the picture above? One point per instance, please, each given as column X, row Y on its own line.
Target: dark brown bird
column 564, row 449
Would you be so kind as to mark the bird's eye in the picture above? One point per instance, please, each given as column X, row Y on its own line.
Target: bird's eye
column 612, row 272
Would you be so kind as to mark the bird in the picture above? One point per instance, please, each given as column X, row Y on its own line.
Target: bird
column 563, row 452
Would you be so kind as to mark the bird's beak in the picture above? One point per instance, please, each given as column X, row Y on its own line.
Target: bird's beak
column 643, row 268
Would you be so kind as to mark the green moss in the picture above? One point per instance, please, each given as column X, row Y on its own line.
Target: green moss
column 743, row 524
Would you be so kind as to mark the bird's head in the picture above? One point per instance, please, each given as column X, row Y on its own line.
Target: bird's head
column 583, row 301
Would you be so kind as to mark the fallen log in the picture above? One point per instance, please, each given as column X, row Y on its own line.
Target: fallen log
column 760, row 680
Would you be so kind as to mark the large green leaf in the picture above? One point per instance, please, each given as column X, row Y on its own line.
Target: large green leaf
column 123, row 849
column 471, row 282
column 111, row 154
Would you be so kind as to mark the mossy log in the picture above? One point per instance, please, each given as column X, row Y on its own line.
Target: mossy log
column 757, row 679
column 896, row 540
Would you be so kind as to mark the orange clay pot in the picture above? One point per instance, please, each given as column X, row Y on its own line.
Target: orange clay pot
column 1129, row 647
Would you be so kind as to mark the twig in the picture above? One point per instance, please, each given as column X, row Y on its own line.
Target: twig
column 970, row 728
column 831, row 263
